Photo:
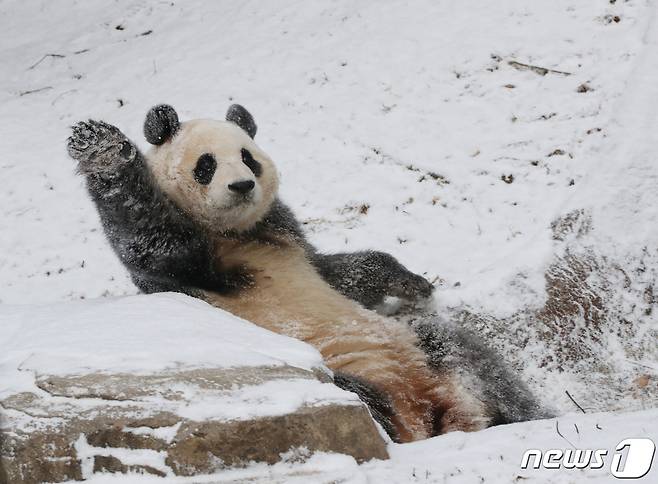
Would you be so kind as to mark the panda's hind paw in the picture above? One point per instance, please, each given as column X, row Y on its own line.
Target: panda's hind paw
column 99, row 147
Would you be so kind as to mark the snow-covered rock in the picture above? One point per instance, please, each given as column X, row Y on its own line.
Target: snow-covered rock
column 493, row 456
column 162, row 384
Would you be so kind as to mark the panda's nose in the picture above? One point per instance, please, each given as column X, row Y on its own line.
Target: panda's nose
column 242, row 187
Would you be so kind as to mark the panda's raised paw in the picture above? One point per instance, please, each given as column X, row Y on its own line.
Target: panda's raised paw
column 99, row 147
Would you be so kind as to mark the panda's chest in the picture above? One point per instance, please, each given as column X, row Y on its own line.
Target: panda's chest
column 266, row 264
column 287, row 295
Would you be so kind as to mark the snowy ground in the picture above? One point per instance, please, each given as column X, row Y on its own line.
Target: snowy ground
column 397, row 125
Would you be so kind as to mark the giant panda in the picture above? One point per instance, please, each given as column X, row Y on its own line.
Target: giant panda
column 200, row 214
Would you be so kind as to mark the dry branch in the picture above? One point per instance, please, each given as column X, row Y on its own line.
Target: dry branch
column 574, row 401
column 542, row 71
column 32, row 91
column 56, row 56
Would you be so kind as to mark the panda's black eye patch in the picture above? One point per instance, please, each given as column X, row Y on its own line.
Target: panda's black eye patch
column 249, row 160
column 205, row 168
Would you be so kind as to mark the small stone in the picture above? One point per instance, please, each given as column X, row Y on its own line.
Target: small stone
column 584, row 87
column 642, row 381
column 557, row 152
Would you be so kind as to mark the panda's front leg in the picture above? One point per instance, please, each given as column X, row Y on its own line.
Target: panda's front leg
column 159, row 244
column 369, row 276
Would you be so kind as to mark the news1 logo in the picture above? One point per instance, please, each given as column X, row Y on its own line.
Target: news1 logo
column 632, row 458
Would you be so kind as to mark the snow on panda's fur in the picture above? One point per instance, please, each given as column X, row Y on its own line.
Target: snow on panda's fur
column 200, row 214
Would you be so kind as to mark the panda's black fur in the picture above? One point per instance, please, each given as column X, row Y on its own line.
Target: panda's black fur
column 166, row 250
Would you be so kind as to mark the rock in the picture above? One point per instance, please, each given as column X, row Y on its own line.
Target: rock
column 85, row 424
column 331, row 428
column 163, row 385
column 111, row 464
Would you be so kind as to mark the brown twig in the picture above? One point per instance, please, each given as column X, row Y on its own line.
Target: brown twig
column 542, row 71
column 61, row 95
column 574, row 401
column 557, row 429
column 25, row 93
column 57, row 56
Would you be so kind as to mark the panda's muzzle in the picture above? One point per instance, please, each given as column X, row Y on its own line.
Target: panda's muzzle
column 242, row 187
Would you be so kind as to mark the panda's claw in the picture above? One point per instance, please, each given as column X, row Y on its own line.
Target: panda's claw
column 99, row 148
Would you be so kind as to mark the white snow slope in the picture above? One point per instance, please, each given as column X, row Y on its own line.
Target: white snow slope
column 396, row 125
column 143, row 335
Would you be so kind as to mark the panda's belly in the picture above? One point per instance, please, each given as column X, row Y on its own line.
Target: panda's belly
column 289, row 297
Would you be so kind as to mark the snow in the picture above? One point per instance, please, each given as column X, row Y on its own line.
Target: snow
column 409, row 108
column 157, row 334
column 138, row 334
column 164, row 433
column 150, row 335
column 408, row 94
column 129, row 457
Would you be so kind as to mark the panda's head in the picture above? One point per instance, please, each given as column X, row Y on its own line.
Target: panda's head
column 212, row 169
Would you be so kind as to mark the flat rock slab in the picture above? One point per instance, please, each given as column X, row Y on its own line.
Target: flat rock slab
column 166, row 385
column 183, row 422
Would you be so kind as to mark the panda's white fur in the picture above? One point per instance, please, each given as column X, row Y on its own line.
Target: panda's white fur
column 214, row 205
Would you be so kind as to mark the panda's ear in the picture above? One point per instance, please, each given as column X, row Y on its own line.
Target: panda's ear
column 240, row 116
column 161, row 124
